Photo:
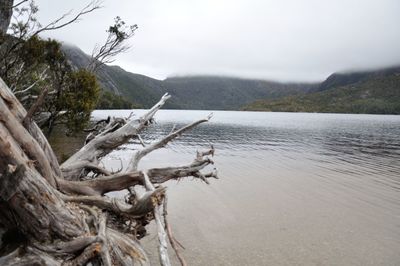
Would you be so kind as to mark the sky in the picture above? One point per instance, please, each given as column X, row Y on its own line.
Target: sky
column 285, row 40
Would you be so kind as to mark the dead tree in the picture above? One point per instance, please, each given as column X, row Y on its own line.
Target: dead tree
column 60, row 214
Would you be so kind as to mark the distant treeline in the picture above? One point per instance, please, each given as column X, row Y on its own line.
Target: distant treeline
column 109, row 100
column 354, row 92
column 376, row 94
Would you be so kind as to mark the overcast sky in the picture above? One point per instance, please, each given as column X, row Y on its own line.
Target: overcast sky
column 285, row 40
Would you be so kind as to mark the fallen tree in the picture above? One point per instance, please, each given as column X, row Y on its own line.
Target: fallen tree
column 60, row 214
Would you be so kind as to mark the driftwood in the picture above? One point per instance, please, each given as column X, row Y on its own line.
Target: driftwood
column 61, row 215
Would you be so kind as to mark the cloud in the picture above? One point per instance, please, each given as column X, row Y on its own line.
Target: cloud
column 287, row 40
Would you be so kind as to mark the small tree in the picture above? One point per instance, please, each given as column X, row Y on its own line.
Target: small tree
column 115, row 44
column 32, row 66
column 79, row 98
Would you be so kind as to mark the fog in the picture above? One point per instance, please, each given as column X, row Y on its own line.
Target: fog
column 286, row 40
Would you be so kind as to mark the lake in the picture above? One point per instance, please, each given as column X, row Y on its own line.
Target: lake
column 294, row 188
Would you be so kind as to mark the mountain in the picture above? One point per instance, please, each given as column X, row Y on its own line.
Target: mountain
column 375, row 92
column 342, row 79
column 139, row 89
column 193, row 92
column 227, row 93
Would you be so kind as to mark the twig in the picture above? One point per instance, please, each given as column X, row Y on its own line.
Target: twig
column 35, row 107
column 20, row 3
column 105, row 253
column 162, row 247
column 171, row 238
column 54, row 24
column 42, row 76
column 141, row 141
column 133, row 164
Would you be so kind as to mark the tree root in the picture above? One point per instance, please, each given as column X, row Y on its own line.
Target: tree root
column 64, row 213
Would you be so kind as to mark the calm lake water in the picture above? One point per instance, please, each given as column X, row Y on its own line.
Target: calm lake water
column 294, row 188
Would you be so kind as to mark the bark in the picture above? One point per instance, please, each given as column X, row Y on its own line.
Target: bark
column 113, row 136
column 5, row 14
column 62, row 215
column 41, row 213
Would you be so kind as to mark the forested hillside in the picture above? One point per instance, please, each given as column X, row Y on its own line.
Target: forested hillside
column 342, row 79
column 139, row 90
column 197, row 92
column 354, row 92
column 375, row 94
column 225, row 93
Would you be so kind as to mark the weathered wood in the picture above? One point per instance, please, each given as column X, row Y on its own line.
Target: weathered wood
column 172, row 240
column 64, row 221
column 28, row 257
column 20, row 113
column 120, row 181
column 161, row 143
column 39, row 209
column 162, row 235
column 161, row 175
column 139, row 208
column 88, row 253
column 9, row 182
column 34, row 108
column 107, row 141
column 123, row 244
column 72, row 246
column 105, row 249
column 27, row 143
column 102, row 185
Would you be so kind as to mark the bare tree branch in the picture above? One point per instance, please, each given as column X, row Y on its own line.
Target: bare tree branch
column 118, row 34
column 162, row 236
column 20, row 3
column 108, row 140
column 161, row 143
column 171, row 238
column 35, row 107
column 54, row 25
column 141, row 207
column 73, row 221
column 102, row 232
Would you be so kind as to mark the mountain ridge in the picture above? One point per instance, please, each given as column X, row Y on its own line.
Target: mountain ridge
column 373, row 93
column 350, row 77
column 217, row 92
column 189, row 92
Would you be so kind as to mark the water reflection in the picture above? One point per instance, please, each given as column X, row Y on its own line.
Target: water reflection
column 315, row 166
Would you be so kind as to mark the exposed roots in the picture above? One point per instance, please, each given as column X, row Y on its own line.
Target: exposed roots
column 63, row 213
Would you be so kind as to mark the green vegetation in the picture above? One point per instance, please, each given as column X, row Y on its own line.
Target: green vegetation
column 136, row 88
column 79, row 98
column 109, row 100
column 196, row 92
column 36, row 68
column 357, row 92
column 227, row 93
column 375, row 95
column 34, row 64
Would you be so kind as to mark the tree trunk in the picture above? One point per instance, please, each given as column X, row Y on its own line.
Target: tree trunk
column 56, row 215
column 5, row 14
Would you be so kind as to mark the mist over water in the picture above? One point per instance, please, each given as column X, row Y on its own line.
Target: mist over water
column 294, row 188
